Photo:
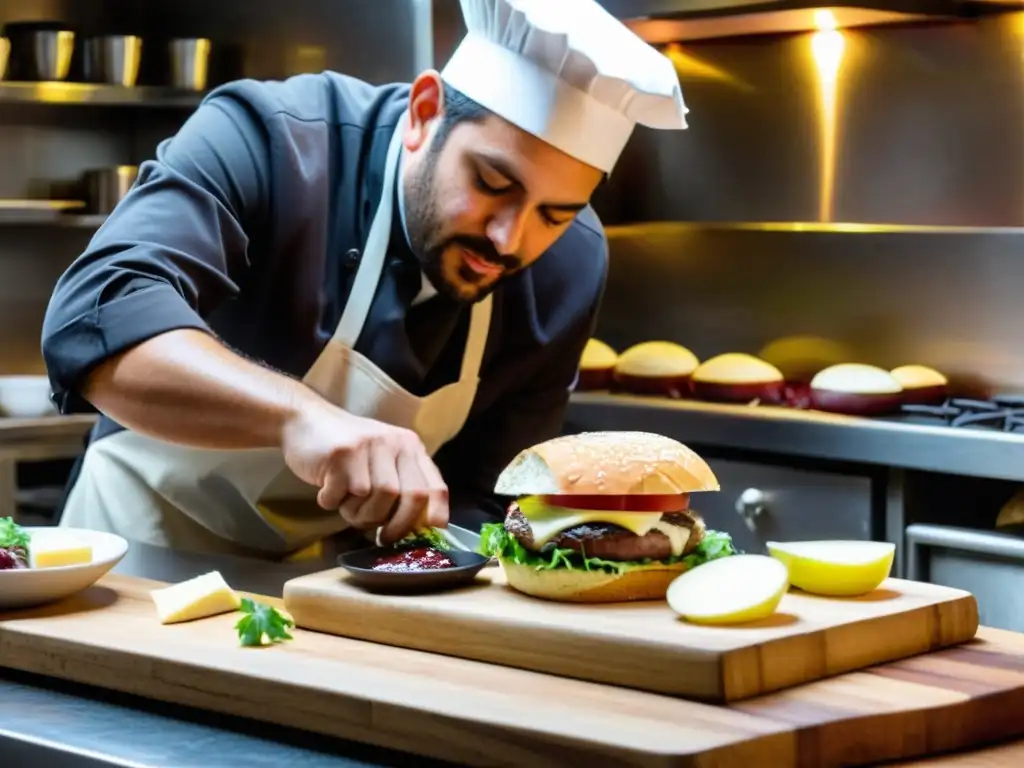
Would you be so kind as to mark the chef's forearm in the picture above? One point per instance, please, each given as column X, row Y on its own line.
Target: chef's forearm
column 184, row 386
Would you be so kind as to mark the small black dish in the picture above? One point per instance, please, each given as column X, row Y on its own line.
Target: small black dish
column 359, row 565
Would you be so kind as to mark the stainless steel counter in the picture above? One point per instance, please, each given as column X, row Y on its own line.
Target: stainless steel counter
column 61, row 725
column 809, row 434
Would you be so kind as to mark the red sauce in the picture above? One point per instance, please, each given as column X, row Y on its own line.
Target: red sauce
column 416, row 559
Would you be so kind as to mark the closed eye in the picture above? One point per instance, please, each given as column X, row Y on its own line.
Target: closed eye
column 489, row 189
column 551, row 220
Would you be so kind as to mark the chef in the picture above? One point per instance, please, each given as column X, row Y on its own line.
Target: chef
column 329, row 305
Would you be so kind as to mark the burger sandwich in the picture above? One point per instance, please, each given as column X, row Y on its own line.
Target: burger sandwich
column 602, row 517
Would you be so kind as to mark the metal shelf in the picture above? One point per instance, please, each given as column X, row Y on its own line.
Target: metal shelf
column 89, row 94
column 81, row 221
column 62, row 221
column 667, row 229
column 808, row 434
column 48, row 213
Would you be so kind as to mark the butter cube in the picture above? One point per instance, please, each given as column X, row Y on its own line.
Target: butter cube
column 53, row 550
column 197, row 598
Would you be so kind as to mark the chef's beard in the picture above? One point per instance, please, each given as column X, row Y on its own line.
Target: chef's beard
column 430, row 245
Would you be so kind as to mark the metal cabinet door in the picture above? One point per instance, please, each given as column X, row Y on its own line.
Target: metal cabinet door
column 988, row 564
column 760, row 502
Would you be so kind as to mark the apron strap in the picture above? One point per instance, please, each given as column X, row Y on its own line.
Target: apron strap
column 372, row 264
column 371, row 267
column 476, row 339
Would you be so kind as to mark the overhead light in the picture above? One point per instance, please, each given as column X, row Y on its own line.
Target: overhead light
column 665, row 21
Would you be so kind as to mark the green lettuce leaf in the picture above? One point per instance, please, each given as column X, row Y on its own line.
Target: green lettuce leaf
column 495, row 541
column 12, row 535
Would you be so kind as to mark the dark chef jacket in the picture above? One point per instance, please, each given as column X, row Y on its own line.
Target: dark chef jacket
column 250, row 223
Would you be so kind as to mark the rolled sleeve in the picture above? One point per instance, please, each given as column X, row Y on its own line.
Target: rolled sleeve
column 172, row 251
column 111, row 328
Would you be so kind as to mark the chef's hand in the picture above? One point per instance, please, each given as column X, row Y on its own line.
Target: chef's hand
column 373, row 473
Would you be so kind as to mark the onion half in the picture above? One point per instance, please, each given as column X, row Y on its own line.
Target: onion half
column 856, row 389
column 655, row 368
column 921, row 384
column 736, row 377
column 596, row 366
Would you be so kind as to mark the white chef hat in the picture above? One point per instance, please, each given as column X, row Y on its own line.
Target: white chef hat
column 566, row 71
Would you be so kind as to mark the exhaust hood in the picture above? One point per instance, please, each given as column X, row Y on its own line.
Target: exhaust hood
column 666, row 21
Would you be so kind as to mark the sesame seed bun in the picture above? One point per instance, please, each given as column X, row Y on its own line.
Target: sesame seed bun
column 615, row 463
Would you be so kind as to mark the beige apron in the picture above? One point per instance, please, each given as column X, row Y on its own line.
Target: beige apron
column 248, row 501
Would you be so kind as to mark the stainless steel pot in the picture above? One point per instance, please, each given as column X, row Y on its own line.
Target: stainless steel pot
column 105, row 187
column 112, row 59
column 40, row 51
column 190, row 60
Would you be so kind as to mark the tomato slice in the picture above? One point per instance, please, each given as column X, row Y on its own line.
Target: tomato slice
column 635, row 502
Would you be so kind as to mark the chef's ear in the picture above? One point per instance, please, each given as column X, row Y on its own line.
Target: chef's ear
column 426, row 105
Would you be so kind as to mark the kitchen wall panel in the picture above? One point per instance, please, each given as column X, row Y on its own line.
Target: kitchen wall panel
column 928, row 129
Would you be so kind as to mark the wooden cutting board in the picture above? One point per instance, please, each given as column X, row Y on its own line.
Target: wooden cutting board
column 482, row 714
column 644, row 646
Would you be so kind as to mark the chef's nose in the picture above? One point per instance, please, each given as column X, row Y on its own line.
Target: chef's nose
column 505, row 229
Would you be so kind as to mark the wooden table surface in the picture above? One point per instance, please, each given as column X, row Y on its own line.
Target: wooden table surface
column 108, row 636
column 1000, row 756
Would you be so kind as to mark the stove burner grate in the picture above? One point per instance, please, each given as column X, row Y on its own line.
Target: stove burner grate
column 1004, row 413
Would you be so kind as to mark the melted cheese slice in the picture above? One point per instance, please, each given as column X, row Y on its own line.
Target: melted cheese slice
column 547, row 521
column 677, row 536
column 198, row 598
column 55, row 550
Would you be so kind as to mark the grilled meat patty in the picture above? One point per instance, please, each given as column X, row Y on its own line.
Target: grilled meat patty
column 607, row 541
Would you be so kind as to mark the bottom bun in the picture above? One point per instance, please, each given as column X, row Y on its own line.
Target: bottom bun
column 569, row 585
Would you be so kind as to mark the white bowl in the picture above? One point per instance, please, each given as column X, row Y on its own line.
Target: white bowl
column 26, row 397
column 27, row 587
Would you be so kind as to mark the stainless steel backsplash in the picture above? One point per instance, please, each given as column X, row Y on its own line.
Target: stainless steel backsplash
column 928, row 129
column 887, row 296
column 928, row 132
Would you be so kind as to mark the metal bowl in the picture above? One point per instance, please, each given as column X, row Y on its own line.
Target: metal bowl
column 26, row 397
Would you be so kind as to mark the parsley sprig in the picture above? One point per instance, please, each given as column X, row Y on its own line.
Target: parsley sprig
column 262, row 624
